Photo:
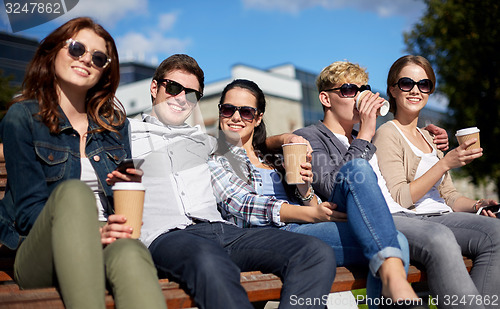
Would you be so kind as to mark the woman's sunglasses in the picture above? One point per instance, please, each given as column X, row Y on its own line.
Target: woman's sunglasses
column 78, row 50
column 174, row 88
column 350, row 90
column 246, row 112
column 406, row 84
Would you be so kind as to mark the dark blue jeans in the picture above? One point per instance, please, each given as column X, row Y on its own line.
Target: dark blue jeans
column 369, row 236
column 207, row 258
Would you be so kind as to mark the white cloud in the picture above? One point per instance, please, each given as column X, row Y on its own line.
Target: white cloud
column 412, row 9
column 142, row 48
column 108, row 12
column 167, row 21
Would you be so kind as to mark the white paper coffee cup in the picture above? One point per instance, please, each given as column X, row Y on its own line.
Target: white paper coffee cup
column 383, row 110
column 466, row 134
column 129, row 201
column 294, row 155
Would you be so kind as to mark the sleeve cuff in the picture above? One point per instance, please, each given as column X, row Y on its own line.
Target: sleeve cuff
column 276, row 213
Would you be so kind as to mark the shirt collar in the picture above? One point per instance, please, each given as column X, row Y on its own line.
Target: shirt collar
column 153, row 120
column 64, row 123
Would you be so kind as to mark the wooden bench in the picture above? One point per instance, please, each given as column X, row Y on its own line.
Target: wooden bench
column 260, row 287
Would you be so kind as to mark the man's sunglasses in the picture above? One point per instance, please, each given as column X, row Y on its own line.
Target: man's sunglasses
column 350, row 90
column 406, row 84
column 77, row 50
column 246, row 112
column 174, row 88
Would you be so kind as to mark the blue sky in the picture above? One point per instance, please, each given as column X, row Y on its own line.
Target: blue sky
column 260, row 33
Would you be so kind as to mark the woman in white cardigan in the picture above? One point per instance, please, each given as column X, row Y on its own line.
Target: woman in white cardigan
column 433, row 215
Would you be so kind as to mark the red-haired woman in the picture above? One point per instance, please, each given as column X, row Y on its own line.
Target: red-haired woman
column 64, row 134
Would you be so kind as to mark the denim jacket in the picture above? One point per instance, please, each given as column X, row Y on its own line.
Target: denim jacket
column 37, row 161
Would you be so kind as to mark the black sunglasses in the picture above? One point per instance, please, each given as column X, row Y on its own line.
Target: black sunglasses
column 174, row 88
column 406, row 84
column 350, row 90
column 246, row 112
column 77, row 50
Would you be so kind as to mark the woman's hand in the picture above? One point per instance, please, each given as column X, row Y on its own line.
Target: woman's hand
column 307, row 175
column 367, row 109
column 326, row 212
column 115, row 229
column 132, row 175
column 484, row 203
column 459, row 156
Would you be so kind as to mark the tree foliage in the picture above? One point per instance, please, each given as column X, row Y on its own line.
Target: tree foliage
column 461, row 38
column 7, row 92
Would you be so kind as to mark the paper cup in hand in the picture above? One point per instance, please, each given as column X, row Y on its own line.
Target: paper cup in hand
column 294, row 155
column 383, row 110
column 129, row 202
column 466, row 134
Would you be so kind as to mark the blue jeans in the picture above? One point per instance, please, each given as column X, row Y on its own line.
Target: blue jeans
column 207, row 258
column 369, row 235
column 438, row 243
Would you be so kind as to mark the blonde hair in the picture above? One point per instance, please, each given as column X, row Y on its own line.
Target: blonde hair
column 340, row 72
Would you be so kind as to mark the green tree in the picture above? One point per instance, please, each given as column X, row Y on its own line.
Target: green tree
column 461, row 38
column 7, row 92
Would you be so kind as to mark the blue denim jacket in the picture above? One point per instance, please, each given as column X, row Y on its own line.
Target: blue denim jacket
column 37, row 161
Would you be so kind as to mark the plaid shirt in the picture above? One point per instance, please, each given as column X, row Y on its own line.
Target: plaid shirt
column 238, row 201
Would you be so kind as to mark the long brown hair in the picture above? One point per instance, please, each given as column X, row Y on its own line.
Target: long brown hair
column 40, row 79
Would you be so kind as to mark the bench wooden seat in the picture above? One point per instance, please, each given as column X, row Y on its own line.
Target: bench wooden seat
column 260, row 287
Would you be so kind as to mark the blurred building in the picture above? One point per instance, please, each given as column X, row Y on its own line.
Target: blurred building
column 133, row 71
column 292, row 98
column 15, row 54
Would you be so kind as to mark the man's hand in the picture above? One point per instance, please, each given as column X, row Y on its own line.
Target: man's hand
column 440, row 136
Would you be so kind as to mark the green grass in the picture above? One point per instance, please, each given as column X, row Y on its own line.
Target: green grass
column 363, row 293
column 360, row 292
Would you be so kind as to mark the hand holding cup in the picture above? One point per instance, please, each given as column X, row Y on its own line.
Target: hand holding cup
column 467, row 134
column 383, row 110
column 294, row 156
column 129, row 202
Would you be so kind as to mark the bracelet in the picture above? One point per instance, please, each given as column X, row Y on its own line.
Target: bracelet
column 477, row 204
column 307, row 198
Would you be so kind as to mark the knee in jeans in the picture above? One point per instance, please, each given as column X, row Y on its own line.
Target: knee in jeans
column 357, row 169
column 492, row 232
column 316, row 251
column 127, row 253
column 440, row 242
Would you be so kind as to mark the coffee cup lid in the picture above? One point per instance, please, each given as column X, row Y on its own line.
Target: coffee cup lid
column 467, row 131
column 293, row 144
column 128, row 186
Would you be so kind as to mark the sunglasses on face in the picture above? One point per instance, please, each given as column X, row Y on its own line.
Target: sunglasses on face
column 77, row 50
column 174, row 88
column 350, row 90
column 246, row 112
column 406, row 84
